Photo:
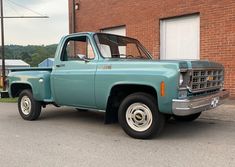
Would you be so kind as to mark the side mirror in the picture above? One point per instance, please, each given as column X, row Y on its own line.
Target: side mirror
column 83, row 57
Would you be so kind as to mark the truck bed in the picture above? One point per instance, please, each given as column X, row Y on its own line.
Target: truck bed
column 31, row 69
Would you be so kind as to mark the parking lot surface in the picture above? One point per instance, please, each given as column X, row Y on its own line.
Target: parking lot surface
column 67, row 137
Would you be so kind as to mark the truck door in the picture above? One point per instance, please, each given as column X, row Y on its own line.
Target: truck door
column 73, row 75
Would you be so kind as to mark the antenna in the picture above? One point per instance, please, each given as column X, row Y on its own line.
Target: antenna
column 2, row 33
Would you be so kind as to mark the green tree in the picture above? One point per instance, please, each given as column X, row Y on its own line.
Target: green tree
column 25, row 57
column 32, row 54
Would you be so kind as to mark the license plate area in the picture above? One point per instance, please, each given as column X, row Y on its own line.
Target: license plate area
column 214, row 102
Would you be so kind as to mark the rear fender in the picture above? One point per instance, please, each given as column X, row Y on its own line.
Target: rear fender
column 38, row 82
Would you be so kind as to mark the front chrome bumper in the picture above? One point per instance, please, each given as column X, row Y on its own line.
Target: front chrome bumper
column 183, row 107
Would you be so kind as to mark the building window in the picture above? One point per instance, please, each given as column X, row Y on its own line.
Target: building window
column 180, row 38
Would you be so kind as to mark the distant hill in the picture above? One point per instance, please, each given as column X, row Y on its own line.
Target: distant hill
column 32, row 54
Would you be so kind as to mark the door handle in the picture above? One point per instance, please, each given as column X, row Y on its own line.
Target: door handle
column 60, row 65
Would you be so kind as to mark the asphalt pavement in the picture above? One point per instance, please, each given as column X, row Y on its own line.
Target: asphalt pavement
column 67, row 137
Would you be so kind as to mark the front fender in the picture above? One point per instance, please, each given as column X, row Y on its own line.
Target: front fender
column 164, row 102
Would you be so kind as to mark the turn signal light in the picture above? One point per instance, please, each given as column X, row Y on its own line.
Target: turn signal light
column 162, row 88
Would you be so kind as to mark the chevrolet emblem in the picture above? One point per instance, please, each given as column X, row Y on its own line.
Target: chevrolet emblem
column 106, row 67
column 210, row 78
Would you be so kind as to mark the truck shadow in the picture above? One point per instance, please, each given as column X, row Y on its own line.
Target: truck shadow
column 173, row 129
column 178, row 130
column 71, row 114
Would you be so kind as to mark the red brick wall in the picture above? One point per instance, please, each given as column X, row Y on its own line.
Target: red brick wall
column 142, row 20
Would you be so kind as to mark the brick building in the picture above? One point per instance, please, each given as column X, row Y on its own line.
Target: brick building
column 169, row 29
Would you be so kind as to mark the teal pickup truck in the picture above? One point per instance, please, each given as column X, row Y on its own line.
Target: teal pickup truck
column 117, row 75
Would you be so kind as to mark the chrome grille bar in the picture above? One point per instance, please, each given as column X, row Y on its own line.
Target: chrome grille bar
column 204, row 79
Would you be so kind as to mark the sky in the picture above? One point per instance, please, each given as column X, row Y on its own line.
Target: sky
column 35, row 31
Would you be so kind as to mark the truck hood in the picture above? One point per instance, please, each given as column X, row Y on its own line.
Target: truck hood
column 195, row 63
column 189, row 64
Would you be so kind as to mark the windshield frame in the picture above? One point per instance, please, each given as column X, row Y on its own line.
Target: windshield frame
column 138, row 44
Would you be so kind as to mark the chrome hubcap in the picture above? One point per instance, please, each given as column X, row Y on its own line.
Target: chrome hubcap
column 139, row 117
column 25, row 105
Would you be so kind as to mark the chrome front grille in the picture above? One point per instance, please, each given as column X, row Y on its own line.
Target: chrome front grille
column 206, row 79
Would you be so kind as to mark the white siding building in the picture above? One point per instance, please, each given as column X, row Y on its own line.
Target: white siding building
column 12, row 63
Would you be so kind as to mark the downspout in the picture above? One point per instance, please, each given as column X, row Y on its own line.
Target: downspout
column 73, row 18
column 74, row 25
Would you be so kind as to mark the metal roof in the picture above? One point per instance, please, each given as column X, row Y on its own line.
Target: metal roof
column 52, row 59
column 47, row 62
column 14, row 62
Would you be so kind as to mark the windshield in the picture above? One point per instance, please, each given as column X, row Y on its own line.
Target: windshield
column 113, row 46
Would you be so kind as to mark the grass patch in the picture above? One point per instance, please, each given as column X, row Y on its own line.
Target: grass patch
column 8, row 100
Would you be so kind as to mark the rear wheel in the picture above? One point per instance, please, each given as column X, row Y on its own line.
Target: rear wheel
column 188, row 118
column 28, row 107
column 139, row 116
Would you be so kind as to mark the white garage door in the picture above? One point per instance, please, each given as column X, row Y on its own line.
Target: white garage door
column 116, row 31
column 105, row 50
column 180, row 38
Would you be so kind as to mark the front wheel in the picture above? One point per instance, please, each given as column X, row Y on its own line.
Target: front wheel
column 188, row 118
column 28, row 107
column 139, row 116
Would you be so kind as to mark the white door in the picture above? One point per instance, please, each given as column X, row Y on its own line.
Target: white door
column 116, row 31
column 180, row 38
